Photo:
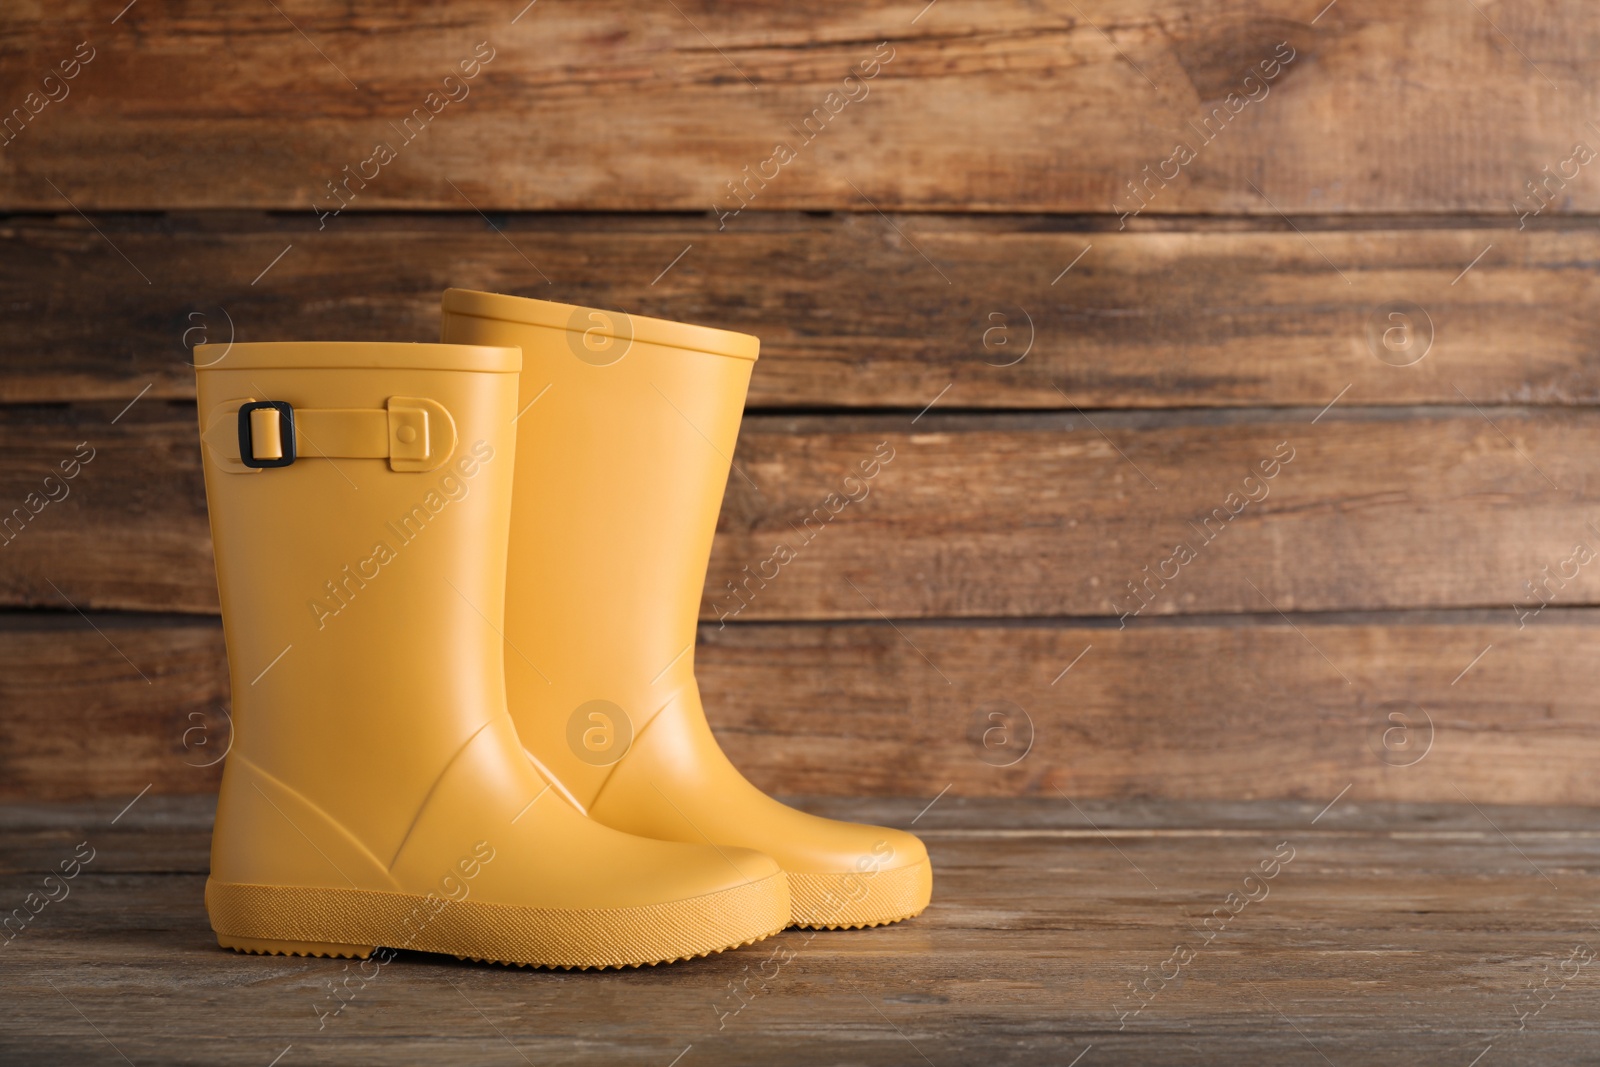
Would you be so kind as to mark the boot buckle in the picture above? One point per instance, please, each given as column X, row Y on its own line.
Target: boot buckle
column 266, row 434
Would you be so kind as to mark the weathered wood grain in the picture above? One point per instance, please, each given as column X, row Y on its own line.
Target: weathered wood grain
column 849, row 313
column 1257, row 708
column 89, row 708
column 1394, row 934
column 981, row 107
column 1247, row 708
column 133, row 514
column 975, row 516
column 1061, row 515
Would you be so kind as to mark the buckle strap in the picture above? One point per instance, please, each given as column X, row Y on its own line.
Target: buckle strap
column 266, row 434
column 414, row 434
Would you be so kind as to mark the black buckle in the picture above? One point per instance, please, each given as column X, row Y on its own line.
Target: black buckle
column 285, row 431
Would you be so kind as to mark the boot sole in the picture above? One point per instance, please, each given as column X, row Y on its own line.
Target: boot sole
column 353, row 923
column 837, row 901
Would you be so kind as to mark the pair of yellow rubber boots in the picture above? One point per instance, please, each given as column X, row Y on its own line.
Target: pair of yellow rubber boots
column 459, row 590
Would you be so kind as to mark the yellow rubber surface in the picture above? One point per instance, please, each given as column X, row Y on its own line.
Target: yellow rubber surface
column 622, row 459
column 350, row 922
column 378, row 794
column 593, row 321
column 838, row 901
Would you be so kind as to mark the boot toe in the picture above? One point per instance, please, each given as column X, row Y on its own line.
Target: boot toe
column 858, row 875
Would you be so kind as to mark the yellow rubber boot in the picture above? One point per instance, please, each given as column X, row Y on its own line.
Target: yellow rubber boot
column 625, row 434
column 376, row 793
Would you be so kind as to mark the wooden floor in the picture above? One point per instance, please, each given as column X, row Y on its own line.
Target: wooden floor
column 1259, row 932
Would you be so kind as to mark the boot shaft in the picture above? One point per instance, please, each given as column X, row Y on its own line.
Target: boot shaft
column 624, row 443
column 361, row 570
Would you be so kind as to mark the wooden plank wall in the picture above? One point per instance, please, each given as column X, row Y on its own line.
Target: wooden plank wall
column 1373, row 268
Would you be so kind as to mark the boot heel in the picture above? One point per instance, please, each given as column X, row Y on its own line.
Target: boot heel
column 265, row 946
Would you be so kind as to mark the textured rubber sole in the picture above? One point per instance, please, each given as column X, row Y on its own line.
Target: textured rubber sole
column 851, row 901
column 302, row 921
column 266, row 946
